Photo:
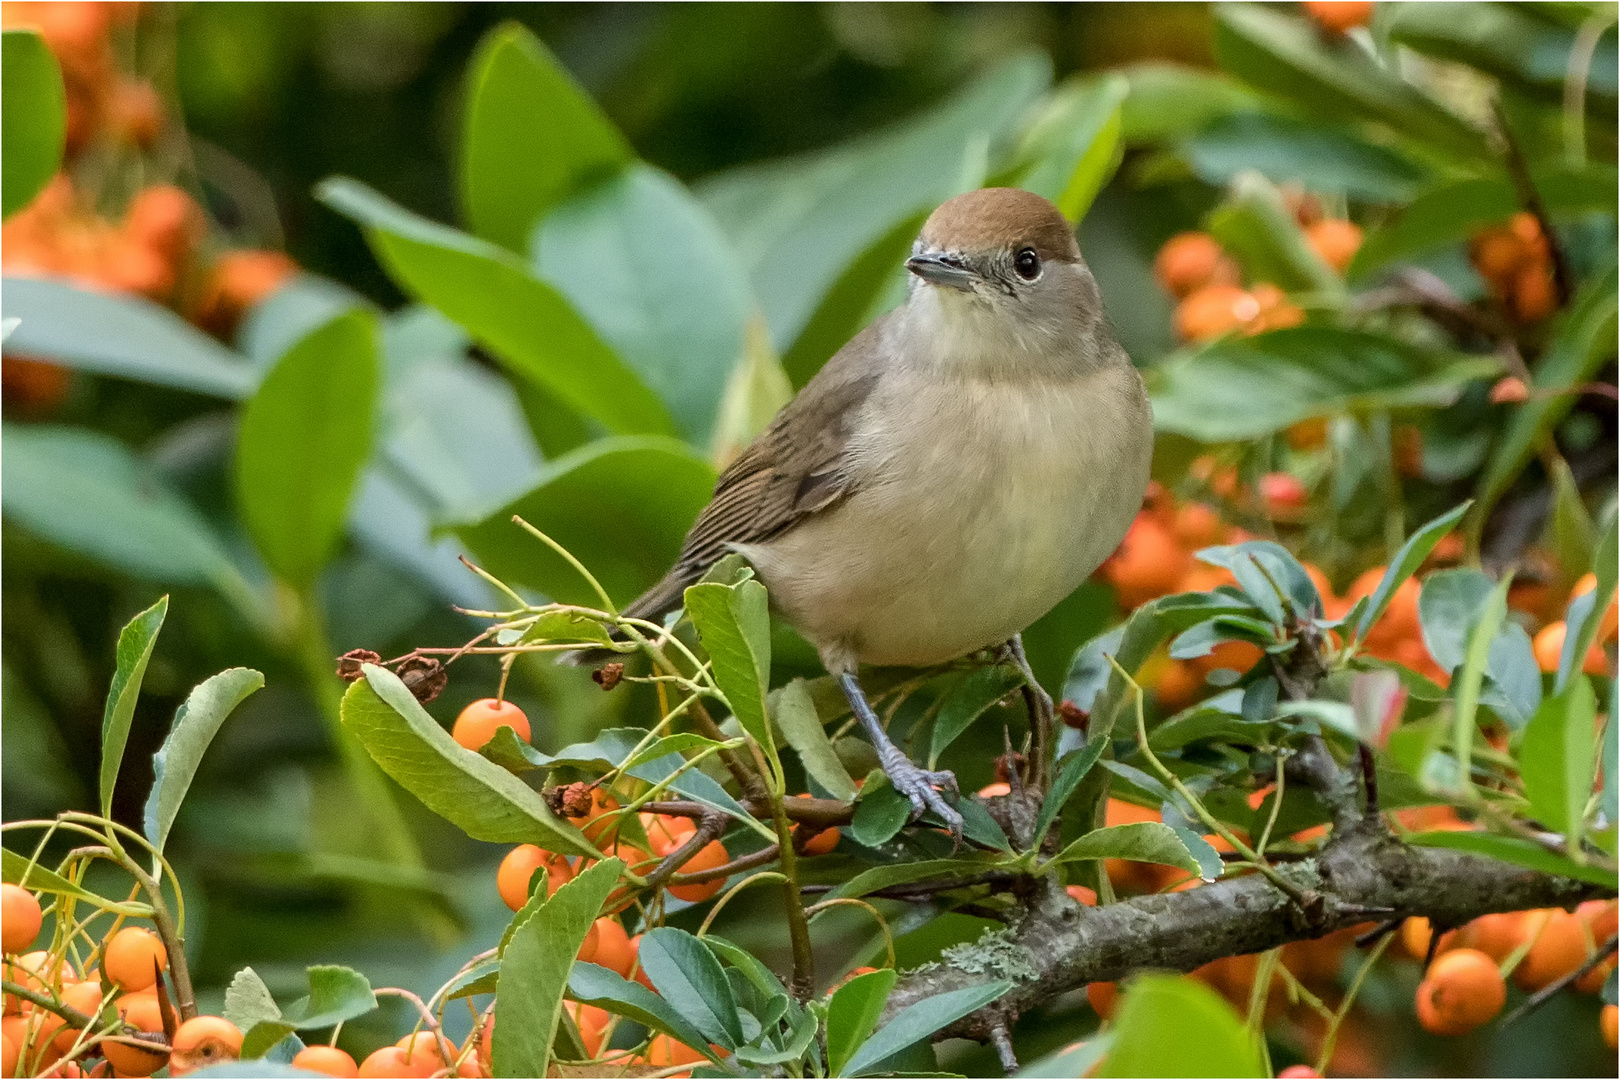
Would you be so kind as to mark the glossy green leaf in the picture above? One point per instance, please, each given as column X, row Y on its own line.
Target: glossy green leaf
column 86, row 492
column 1556, row 760
column 1262, row 567
column 531, row 137
column 336, row 995
column 1487, row 620
column 967, row 701
column 795, row 715
column 799, row 223
column 734, row 625
column 196, row 723
column 649, row 269
column 1170, row 1026
column 1142, row 841
column 920, row 1020
column 1283, row 54
column 478, row 796
column 301, row 442
column 33, row 118
column 621, row 506
column 530, row 328
column 1319, row 157
column 1171, row 101
column 881, row 813
column 1256, row 226
column 1246, row 388
column 1585, row 615
column 1405, row 564
column 596, row 985
column 1074, row 145
column 1515, row 45
column 687, row 975
column 135, row 642
column 892, row 874
column 126, row 337
column 852, row 1014
column 1572, row 531
column 1583, row 341
column 14, row 870
column 1520, row 851
column 535, row 968
column 1449, row 607
column 1071, row 770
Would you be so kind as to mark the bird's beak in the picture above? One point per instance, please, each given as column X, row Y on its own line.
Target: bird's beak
column 938, row 268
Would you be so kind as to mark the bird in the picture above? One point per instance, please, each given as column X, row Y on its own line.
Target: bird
column 959, row 467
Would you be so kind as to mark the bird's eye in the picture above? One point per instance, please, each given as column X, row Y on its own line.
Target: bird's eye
column 1028, row 264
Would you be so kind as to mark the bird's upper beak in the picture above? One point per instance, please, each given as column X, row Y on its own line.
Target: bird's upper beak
column 939, row 268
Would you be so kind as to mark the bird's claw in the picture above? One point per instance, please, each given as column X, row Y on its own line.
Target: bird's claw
column 921, row 786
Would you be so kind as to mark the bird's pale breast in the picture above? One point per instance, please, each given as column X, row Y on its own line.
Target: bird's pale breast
column 988, row 502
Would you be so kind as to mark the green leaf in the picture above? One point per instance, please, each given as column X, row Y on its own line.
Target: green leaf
column 1074, row 144
column 1246, row 388
column 531, row 137
column 799, row 223
column 33, row 118
column 734, row 624
column 1071, row 770
column 967, row 701
column 1172, row 101
column 881, row 813
column 87, row 493
column 1333, row 76
column 1170, row 1026
column 884, row 877
column 1449, row 607
column 1572, row 531
column 1405, row 564
column 920, row 1020
column 1076, row 1059
column 1556, row 760
column 1585, row 614
column 477, row 796
column 1319, row 157
column 795, row 714
column 535, row 969
column 596, row 985
column 336, row 995
column 196, row 723
column 647, row 266
column 1583, row 339
column 301, row 442
column 1488, row 618
column 687, row 975
column 14, row 869
column 674, row 744
column 123, row 336
column 248, row 1000
column 763, row 979
column 852, row 1014
column 530, row 328
column 1256, row 226
column 1519, row 851
column 621, row 506
column 1142, row 841
column 135, row 642
column 1262, row 567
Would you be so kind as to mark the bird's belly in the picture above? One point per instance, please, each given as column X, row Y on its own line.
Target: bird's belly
column 973, row 529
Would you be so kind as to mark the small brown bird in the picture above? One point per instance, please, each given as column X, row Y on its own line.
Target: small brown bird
column 958, row 468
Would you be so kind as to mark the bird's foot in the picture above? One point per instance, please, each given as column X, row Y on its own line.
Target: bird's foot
column 923, row 788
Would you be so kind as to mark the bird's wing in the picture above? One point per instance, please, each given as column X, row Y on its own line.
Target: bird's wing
column 797, row 466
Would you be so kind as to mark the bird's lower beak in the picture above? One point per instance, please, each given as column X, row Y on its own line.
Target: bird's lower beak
column 940, row 269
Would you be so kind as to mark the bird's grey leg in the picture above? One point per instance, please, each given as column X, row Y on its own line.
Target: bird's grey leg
column 1042, row 715
column 916, row 784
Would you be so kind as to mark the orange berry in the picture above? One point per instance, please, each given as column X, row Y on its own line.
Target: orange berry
column 1298, row 1072
column 1559, row 949
column 165, row 220
column 664, row 1052
column 203, row 1041
column 711, row 855
column 9, row 1052
column 1549, row 648
column 517, row 869
column 1535, row 294
column 139, row 1010
column 995, row 790
column 1177, row 685
column 422, row 1047
column 823, row 842
column 391, row 1061
column 1082, row 895
column 1148, row 563
column 1236, row 655
column 1497, row 254
column 128, row 961
column 33, row 387
column 1495, row 935
column 1415, row 935
column 666, row 832
column 640, row 975
column 1199, row 526
column 613, row 948
column 1191, row 260
column 135, row 268
column 1335, row 240
column 327, row 1060
column 1611, row 618
column 84, row 996
column 1308, row 434
column 479, row 721
column 1339, row 15
column 20, row 918
column 1610, row 1023
column 1283, row 495
column 587, row 948
column 238, row 281
column 1602, row 918
column 1104, row 998
column 1592, row 982
column 1214, row 310
column 1276, row 312
column 1509, row 390
column 1464, row 989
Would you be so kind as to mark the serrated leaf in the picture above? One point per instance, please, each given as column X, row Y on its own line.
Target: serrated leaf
column 135, row 642
column 196, row 723
column 687, row 975
column 336, row 994
column 881, row 813
column 248, row 1001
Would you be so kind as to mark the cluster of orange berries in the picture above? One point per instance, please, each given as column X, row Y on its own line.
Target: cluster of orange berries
column 1466, row 985
column 156, row 248
column 1515, row 262
column 1205, row 280
column 37, row 1041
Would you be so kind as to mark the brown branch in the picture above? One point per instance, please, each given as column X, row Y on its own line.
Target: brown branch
column 767, row 854
column 1060, row 946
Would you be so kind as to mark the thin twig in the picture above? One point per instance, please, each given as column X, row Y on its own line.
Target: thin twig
column 1546, row 993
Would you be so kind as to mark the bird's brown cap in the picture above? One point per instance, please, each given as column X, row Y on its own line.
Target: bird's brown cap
column 1001, row 218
